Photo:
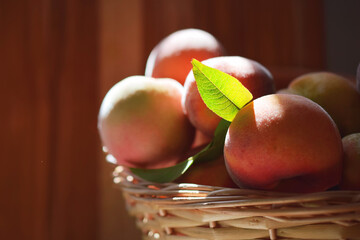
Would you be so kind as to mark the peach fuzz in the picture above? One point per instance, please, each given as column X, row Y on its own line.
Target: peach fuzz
column 336, row 94
column 351, row 171
column 286, row 143
column 142, row 124
column 251, row 74
column 171, row 58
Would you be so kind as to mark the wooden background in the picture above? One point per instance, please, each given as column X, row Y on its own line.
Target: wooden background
column 57, row 60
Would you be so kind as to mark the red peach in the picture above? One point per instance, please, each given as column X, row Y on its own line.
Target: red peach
column 212, row 173
column 200, row 139
column 251, row 74
column 142, row 124
column 171, row 58
column 284, row 142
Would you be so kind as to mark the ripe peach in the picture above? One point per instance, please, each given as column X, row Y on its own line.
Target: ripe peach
column 200, row 139
column 171, row 58
column 284, row 142
column 212, row 173
column 251, row 74
column 351, row 170
column 142, row 124
column 336, row 94
column 284, row 91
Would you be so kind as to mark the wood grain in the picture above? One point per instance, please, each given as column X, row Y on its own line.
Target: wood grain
column 49, row 71
column 73, row 31
column 25, row 130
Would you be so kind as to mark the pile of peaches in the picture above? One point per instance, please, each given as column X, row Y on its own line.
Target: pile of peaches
column 304, row 138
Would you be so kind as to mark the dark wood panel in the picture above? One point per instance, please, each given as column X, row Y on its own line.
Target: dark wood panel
column 49, row 101
column 73, row 52
column 25, row 118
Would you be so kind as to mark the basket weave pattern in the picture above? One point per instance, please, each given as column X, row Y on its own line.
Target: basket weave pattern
column 190, row 211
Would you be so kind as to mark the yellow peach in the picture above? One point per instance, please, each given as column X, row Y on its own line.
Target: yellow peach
column 351, row 172
column 336, row 94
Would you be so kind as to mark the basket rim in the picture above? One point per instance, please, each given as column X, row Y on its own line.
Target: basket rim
column 195, row 195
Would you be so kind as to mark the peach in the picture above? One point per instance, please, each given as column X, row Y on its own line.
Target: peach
column 251, row 74
column 284, row 91
column 171, row 58
column 211, row 173
column 351, row 170
column 142, row 124
column 336, row 94
column 284, row 142
column 200, row 139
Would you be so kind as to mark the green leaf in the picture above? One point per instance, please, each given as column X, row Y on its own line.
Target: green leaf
column 163, row 175
column 222, row 93
column 212, row 151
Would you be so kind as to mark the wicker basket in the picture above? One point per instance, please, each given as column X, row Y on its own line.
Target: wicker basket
column 190, row 211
